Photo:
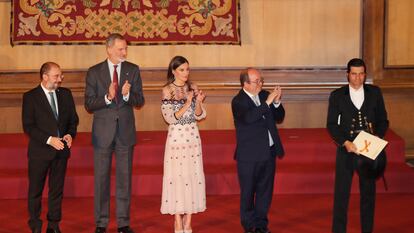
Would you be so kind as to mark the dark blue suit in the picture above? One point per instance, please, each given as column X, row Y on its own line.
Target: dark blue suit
column 255, row 158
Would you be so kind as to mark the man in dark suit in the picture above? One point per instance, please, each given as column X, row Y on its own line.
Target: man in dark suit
column 50, row 120
column 353, row 108
column 113, row 89
column 255, row 113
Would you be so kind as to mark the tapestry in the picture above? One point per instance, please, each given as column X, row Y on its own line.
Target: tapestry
column 141, row 22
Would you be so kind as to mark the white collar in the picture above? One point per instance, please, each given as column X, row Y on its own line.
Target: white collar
column 249, row 94
column 46, row 90
column 356, row 91
column 112, row 64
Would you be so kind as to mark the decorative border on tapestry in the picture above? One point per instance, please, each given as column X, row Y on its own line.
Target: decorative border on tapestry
column 141, row 22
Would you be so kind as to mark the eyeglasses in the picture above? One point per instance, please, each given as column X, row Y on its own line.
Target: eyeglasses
column 56, row 76
column 257, row 82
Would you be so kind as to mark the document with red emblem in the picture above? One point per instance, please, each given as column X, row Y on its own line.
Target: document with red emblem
column 369, row 145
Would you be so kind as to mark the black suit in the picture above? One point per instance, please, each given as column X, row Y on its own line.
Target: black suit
column 39, row 123
column 255, row 158
column 351, row 120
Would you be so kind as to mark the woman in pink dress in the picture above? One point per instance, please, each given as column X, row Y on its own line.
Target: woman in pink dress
column 183, row 189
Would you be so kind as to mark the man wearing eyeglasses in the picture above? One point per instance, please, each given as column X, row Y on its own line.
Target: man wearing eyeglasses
column 50, row 120
column 256, row 112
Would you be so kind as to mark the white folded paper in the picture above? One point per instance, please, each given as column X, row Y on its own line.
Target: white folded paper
column 369, row 145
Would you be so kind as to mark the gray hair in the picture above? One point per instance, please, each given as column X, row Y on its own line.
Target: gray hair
column 111, row 39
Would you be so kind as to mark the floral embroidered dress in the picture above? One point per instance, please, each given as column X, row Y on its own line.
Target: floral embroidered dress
column 183, row 188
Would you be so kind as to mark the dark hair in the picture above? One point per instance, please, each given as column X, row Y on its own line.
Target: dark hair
column 244, row 76
column 46, row 67
column 111, row 39
column 355, row 62
column 174, row 64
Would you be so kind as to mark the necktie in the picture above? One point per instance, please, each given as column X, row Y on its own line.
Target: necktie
column 53, row 104
column 115, row 81
column 256, row 100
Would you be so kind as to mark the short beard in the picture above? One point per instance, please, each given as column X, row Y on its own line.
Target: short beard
column 53, row 86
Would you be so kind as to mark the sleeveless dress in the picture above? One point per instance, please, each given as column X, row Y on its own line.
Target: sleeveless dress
column 183, row 188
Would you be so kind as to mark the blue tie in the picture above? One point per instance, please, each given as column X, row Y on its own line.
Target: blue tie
column 53, row 104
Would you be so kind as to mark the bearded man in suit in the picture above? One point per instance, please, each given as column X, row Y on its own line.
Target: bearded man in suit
column 50, row 120
column 113, row 89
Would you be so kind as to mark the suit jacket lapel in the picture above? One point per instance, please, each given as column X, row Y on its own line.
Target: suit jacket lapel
column 348, row 100
column 43, row 101
column 59, row 101
column 367, row 98
column 262, row 97
column 247, row 98
column 123, row 73
column 106, row 76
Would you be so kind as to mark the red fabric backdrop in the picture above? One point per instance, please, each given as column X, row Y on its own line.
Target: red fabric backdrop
column 144, row 22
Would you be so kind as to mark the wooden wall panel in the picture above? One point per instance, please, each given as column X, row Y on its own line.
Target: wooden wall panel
column 305, row 102
column 310, row 33
column 399, row 35
column 274, row 33
column 301, row 91
column 299, row 114
column 400, row 108
column 219, row 116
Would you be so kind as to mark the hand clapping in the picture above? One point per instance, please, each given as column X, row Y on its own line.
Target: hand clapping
column 200, row 96
column 125, row 88
column 111, row 91
column 274, row 96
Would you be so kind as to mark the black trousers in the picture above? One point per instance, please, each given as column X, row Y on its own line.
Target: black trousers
column 38, row 171
column 256, row 192
column 346, row 164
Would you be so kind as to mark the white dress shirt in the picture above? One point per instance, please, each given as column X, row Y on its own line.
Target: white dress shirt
column 357, row 96
column 46, row 91
column 48, row 97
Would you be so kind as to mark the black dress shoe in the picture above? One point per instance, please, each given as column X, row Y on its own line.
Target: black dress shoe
column 100, row 230
column 50, row 230
column 262, row 230
column 126, row 229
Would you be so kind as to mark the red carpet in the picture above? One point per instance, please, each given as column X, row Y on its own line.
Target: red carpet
column 304, row 186
column 307, row 168
column 289, row 214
